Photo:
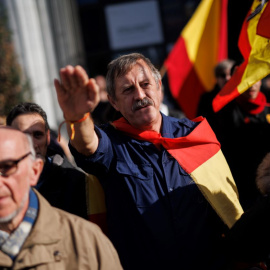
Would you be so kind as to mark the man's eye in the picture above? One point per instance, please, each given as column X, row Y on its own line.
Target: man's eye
column 6, row 167
column 127, row 89
column 38, row 135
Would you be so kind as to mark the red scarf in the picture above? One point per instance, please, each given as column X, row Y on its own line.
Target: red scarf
column 190, row 151
column 252, row 106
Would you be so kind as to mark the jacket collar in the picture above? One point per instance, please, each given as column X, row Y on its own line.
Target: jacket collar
column 43, row 232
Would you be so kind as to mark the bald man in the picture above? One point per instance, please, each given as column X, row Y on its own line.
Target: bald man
column 34, row 234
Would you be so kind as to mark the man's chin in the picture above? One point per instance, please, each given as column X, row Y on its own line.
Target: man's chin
column 144, row 122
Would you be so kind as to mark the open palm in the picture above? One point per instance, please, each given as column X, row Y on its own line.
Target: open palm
column 76, row 93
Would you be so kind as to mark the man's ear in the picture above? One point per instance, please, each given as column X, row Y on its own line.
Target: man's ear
column 113, row 103
column 37, row 168
column 160, row 85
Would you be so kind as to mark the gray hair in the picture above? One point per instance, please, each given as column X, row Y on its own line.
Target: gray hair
column 123, row 64
column 222, row 66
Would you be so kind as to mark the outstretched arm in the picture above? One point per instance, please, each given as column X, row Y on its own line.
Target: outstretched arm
column 78, row 95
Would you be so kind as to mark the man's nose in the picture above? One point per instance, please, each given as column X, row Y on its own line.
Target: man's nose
column 139, row 93
column 36, row 147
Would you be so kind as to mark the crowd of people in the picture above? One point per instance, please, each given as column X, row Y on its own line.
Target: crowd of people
column 179, row 194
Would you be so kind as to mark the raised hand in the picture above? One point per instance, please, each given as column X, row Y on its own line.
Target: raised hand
column 76, row 93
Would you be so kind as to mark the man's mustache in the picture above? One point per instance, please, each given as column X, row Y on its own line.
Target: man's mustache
column 142, row 103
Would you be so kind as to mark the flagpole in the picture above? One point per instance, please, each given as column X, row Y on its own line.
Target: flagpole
column 162, row 71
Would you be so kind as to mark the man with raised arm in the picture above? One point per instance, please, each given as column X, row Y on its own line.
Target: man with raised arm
column 169, row 192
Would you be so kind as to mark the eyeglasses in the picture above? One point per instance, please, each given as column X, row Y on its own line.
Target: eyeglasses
column 9, row 167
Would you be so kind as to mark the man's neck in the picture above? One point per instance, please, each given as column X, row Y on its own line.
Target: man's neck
column 155, row 126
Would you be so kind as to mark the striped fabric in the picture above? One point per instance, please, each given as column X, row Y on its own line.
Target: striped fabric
column 11, row 244
column 255, row 50
column 201, row 45
column 96, row 202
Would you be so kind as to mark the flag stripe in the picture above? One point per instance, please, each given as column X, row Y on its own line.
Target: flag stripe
column 243, row 40
column 96, row 197
column 191, row 62
column 192, row 33
column 256, row 52
column 215, row 181
column 178, row 72
column 263, row 28
column 223, row 30
column 208, row 52
column 205, row 145
column 189, row 100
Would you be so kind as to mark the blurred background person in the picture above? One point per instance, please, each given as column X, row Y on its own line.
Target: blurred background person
column 104, row 112
column 222, row 74
column 265, row 88
column 60, row 182
column 168, row 110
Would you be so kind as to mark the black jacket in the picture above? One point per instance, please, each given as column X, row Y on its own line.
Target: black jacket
column 63, row 186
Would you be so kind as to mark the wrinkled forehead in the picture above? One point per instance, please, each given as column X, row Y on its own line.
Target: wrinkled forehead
column 126, row 68
column 138, row 71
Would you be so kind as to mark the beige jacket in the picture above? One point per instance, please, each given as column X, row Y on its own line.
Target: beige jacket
column 60, row 240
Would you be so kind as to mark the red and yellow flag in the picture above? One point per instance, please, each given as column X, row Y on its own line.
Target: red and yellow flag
column 201, row 45
column 255, row 50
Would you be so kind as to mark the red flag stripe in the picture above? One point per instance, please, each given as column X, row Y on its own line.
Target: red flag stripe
column 263, row 28
column 223, row 44
column 184, row 76
column 243, row 41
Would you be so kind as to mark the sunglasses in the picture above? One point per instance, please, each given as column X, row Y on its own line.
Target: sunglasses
column 9, row 167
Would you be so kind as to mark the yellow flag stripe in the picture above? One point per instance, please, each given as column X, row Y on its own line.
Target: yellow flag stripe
column 259, row 60
column 95, row 196
column 216, row 182
column 202, row 28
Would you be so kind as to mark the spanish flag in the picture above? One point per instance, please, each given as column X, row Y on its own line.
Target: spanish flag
column 200, row 155
column 201, row 45
column 255, row 49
